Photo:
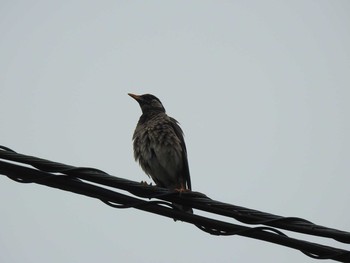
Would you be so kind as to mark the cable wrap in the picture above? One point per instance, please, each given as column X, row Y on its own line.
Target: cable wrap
column 98, row 184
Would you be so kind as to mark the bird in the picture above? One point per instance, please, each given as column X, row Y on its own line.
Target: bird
column 159, row 147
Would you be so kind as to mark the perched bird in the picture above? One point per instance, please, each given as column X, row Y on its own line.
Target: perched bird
column 159, row 146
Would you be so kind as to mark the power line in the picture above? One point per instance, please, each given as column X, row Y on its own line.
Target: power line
column 98, row 184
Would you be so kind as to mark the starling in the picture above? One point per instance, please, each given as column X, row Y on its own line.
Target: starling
column 159, row 147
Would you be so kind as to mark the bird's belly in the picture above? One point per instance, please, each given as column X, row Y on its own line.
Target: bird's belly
column 159, row 158
column 163, row 176
column 162, row 166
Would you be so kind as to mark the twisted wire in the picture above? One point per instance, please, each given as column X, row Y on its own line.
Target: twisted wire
column 93, row 182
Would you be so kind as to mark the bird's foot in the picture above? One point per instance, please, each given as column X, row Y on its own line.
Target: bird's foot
column 181, row 190
column 145, row 183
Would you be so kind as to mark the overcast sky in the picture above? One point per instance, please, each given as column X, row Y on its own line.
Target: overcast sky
column 261, row 89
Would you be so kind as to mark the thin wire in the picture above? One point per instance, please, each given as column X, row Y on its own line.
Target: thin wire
column 92, row 182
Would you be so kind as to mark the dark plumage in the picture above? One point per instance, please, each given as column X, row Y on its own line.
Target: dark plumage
column 159, row 146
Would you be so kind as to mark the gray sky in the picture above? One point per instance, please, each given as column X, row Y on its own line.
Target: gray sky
column 261, row 89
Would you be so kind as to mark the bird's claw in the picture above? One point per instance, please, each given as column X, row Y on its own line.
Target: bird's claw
column 182, row 190
column 145, row 183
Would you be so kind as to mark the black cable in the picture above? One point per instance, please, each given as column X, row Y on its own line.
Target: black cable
column 91, row 182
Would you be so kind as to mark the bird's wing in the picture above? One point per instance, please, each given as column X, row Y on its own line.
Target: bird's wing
column 179, row 134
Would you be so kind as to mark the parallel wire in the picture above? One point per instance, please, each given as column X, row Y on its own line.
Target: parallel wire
column 93, row 182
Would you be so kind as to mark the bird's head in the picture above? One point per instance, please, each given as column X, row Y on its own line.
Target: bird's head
column 148, row 102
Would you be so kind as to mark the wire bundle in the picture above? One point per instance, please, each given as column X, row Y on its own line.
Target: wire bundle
column 122, row 193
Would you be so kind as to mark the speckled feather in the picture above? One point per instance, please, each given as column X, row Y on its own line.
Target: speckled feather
column 160, row 149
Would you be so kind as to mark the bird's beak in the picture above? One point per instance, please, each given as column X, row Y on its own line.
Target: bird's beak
column 134, row 96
